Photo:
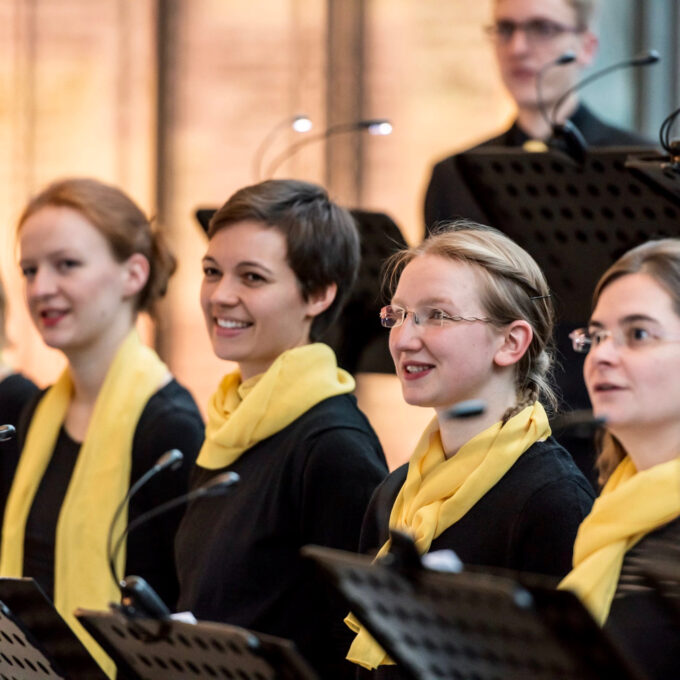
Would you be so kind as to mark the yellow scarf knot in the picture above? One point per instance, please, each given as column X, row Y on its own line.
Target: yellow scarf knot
column 242, row 414
column 439, row 491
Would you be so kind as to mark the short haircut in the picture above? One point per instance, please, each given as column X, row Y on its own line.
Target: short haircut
column 322, row 242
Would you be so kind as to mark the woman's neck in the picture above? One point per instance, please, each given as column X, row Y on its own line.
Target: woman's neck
column 455, row 432
column 651, row 446
column 89, row 365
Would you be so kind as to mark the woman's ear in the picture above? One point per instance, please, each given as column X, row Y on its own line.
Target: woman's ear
column 136, row 274
column 517, row 337
column 320, row 301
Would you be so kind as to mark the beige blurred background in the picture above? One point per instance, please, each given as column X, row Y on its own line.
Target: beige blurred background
column 169, row 99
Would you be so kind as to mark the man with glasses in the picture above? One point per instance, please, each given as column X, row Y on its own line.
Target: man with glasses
column 528, row 35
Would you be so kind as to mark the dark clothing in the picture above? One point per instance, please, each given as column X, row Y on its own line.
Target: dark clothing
column 526, row 522
column 169, row 420
column 448, row 195
column 15, row 392
column 645, row 620
column 238, row 556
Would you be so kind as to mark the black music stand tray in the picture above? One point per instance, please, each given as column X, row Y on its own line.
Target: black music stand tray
column 472, row 625
column 575, row 219
column 147, row 649
column 35, row 642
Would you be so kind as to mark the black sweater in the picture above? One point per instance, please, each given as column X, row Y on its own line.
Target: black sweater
column 526, row 522
column 15, row 392
column 238, row 555
column 169, row 420
column 645, row 619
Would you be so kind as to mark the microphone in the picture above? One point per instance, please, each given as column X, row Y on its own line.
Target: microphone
column 7, row 432
column 583, row 419
column 466, row 409
column 374, row 126
column 643, row 59
column 138, row 595
column 170, row 459
column 564, row 58
column 567, row 132
column 299, row 123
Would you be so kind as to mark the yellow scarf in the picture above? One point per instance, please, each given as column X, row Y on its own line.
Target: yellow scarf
column 100, row 480
column 240, row 415
column 631, row 505
column 439, row 491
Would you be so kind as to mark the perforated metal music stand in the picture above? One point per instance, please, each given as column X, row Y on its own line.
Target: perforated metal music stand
column 472, row 626
column 574, row 219
column 35, row 642
column 145, row 649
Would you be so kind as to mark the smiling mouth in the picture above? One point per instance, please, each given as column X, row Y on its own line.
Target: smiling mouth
column 232, row 324
column 416, row 369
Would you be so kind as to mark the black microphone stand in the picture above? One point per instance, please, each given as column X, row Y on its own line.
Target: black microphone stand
column 375, row 126
column 139, row 598
column 567, row 132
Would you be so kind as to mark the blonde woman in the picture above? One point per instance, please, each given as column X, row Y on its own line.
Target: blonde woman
column 471, row 317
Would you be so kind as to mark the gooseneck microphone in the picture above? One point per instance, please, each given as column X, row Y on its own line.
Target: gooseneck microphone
column 6, row 432
column 643, row 59
column 564, row 58
column 583, row 418
column 374, row 126
column 566, row 131
column 466, row 409
column 170, row 459
column 138, row 595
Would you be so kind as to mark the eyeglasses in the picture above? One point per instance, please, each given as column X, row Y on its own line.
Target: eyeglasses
column 536, row 31
column 428, row 317
column 631, row 337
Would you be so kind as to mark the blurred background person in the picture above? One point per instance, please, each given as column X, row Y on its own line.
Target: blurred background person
column 527, row 35
column 91, row 263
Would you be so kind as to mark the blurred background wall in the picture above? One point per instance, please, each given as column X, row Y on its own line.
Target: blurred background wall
column 170, row 99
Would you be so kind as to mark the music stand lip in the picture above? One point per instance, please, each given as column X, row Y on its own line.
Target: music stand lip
column 192, row 648
column 488, row 624
column 43, row 627
column 574, row 220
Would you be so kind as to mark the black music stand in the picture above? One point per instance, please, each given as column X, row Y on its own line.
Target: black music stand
column 575, row 219
column 147, row 649
column 35, row 642
column 472, row 625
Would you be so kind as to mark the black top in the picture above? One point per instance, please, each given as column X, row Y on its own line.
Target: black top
column 449, row 197
column 15, row 392
column 526, row 522
column 169, row 420
column 238, row 555
column 643, row 619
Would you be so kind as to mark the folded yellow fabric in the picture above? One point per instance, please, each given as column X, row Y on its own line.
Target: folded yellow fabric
column 99, row 482
column 439, row 491
column 631, row 505
column 242, row 414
